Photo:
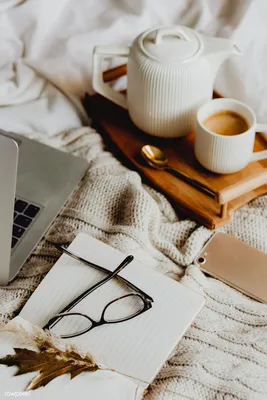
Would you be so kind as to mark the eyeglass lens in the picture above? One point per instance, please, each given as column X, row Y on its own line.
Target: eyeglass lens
column 123, row 308
column 119, row 310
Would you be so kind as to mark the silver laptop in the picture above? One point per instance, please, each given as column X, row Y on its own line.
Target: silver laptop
column 35, row 182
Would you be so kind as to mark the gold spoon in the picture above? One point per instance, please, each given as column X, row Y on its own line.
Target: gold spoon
column 157, row 159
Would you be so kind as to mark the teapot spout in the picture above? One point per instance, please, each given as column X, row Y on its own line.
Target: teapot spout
column 217, row 50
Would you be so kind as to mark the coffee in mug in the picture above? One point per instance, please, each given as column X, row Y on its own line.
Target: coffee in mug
column 226, row 144
column 226, row 122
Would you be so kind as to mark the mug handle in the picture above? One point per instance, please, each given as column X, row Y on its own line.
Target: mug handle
column 260, row 155
column 97, row 79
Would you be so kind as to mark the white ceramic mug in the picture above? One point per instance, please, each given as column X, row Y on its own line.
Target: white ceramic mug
column 227, row 154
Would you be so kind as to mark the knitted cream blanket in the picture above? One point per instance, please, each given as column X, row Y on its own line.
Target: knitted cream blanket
column 224, row 353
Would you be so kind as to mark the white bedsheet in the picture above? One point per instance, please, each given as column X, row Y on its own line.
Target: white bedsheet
column 46, row 47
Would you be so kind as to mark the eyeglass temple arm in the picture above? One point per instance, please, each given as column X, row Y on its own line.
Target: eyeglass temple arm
column 77, row 300
column 98, row 267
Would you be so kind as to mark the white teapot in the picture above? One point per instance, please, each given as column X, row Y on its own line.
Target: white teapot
column 170, row 74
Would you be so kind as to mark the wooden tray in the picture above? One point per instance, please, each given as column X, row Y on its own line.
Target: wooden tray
column 233, row 190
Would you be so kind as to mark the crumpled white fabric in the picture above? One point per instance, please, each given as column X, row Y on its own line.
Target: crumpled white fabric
column 46, row 52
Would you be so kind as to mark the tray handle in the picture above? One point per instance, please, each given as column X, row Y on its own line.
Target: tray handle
column 115, row 73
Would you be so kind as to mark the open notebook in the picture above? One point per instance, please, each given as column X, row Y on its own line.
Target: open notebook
column 137, row 348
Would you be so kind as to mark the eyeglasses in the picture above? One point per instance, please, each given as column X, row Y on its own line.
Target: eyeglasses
column 118, row 310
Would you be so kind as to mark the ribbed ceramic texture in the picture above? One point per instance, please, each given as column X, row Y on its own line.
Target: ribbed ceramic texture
column 223, row 154
column 172, row 93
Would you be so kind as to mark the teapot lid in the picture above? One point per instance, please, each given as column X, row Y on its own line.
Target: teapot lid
column 168, row 44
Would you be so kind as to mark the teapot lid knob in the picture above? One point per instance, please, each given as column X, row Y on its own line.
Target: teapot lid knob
column 175, row 31
column 170, row 43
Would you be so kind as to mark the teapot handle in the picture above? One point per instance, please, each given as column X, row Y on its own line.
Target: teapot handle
column 97, row 79
column 171, row 31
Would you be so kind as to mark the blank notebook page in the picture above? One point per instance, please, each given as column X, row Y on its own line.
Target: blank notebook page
column 138, row 347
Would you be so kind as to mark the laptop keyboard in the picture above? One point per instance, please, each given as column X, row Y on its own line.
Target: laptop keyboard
column 24, row 215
